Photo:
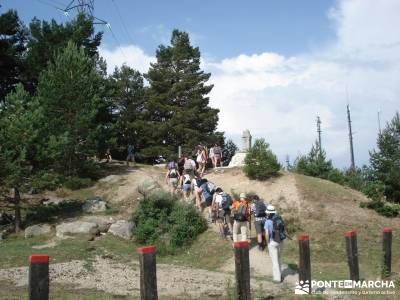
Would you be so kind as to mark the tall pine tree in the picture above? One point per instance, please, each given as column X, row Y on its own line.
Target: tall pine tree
column 385, row 161
column 176, row 109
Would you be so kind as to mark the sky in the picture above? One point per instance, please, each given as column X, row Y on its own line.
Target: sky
column 275, row 65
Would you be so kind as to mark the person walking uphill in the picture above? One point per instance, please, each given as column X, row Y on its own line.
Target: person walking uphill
column 172, row 176
column 258, row 209
column 131, row 156
column 275, row 230
column 241, row 213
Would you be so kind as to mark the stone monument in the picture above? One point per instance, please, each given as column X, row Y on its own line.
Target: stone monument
column 238, row 159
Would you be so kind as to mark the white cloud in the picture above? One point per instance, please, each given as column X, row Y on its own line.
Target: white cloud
column 130, row 55
column 279, row 97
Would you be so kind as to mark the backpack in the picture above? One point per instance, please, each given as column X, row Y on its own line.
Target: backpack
column 188, row 165
column 211, row 187
column 226, row 201
column 259, row 209
column 186, row 179
column 171, row 165
column 173, row 173
column 241, row 213
column 278, row 229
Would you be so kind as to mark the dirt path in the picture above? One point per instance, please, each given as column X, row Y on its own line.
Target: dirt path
column 122, row 279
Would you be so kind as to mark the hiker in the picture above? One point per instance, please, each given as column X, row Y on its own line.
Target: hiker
column 204, row 191
column 275, row 231
column 211, row 156
column 217, row 156
column 222, row 206
column 186, row 185
column 258, row 209
column 108, row 155
column 131, row 156
column 201, row 159
column 241, row 213
column 172, row 176
column 189, row 166
column 181, row 164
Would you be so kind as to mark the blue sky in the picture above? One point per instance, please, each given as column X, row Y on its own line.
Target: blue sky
column 221, row 28
column 275, row 65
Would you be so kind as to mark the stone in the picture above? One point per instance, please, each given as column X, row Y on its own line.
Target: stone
column 53, row 201
column 35, row 230
column 77, row 227
column 111, row 179
column 103, row 222
column 246, row 141
column 237, row 160
column 148, row 186
column 94, row 205
column 122, row 228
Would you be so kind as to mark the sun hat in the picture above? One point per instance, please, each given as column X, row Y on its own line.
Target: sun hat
column 270, row 209
column 242, row 195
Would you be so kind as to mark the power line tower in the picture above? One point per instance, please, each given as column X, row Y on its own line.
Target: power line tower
column 350, row 138
column 319, row 135
column 84, row 7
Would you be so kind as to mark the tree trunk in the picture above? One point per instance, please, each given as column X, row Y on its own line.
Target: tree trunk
column 17, row 200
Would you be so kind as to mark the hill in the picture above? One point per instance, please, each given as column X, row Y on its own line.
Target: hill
column 107, row 265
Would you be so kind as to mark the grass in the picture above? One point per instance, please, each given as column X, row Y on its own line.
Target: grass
column 327, row 242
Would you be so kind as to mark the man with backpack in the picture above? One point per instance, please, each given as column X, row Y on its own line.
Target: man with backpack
column 258, row 209
column 241, row 213
column 186, row 185
column 222, row 205
column 275, row 231
column 189, row 166
column 131, row 155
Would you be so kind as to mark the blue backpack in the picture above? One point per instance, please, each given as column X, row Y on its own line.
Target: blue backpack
column 278, row 229
column 226, row 201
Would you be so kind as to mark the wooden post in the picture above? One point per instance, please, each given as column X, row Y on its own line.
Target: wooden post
column 179, row 152
column 387, row 251
column 352, row 254
column 38, row 277
column 304, row 261
column 242, row 266
column 148, row 276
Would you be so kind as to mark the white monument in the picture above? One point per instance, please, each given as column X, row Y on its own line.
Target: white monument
column 238, row 159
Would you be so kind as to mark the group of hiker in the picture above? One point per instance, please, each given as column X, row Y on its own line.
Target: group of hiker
column 232, row 216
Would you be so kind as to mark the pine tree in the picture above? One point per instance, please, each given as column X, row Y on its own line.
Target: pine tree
column 12, row 48
column 176, row 107
column 314, row 163
column 128, row 105
column 69, row 101
column 228, row 151
column 47, row 38
column 385, row 161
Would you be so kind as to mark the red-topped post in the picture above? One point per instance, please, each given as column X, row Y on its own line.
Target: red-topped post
column 304, row 259
column 38, row 277
column 242, row 268
column 387, row 251
column 148, row 276
column 352, row 254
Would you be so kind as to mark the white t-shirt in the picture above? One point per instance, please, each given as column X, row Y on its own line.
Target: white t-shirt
column 218, row 199
column 211, row 152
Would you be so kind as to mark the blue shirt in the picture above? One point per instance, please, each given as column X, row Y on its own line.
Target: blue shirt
column 269, row 226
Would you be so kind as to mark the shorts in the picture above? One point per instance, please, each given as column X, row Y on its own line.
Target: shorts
column 173, row 182
column 224, row 215
column 186, row 187
column 259, row 226
column 217, row 156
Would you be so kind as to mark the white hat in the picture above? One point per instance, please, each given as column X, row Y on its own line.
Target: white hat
column 242, row 195
column 270, row 209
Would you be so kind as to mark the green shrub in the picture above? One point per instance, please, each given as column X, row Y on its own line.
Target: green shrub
column 166, row 222
column 75, row 183
column 383, row 208
column 260, row 162
column 49, row 213
column 46, row 181
column 336, row 176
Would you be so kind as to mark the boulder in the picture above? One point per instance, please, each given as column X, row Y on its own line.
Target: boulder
column 53, row 201
column 103, row 222
column 238, row 160
column 77, row 227
column 94, row 205
column 36, row 230
column 122, row 228
column 148, row 186
column 111, row 179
